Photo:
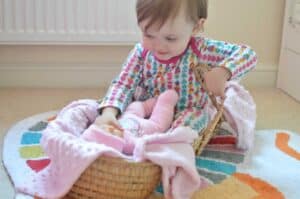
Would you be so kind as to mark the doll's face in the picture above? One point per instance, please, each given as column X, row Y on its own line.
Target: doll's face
column 171, row 39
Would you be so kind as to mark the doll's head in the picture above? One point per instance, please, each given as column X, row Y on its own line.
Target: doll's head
column 167, row 25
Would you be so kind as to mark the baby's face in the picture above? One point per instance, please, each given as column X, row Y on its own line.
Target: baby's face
column 171, row 39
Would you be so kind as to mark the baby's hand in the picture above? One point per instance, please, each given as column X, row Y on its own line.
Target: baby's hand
column 216, row 79
column 112, row 129
column 108, row 117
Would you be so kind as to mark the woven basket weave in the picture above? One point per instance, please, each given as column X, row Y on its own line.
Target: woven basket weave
column 112, row 178
column 115, row 178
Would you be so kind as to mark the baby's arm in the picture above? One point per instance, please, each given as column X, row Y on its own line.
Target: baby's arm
column 216, row 79
column 237, row 59
column 228, row 61
column 122, row 88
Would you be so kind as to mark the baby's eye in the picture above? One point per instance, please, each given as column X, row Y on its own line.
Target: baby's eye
column 171, row 39
column 148, row 36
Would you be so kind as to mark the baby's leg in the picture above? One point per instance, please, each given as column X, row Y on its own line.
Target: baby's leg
column 163, row 112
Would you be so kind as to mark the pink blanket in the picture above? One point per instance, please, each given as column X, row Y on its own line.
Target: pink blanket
column 240, row 114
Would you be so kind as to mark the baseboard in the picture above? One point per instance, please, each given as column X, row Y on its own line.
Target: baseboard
column 261, row 78
column 84, row 75
column 66, row 76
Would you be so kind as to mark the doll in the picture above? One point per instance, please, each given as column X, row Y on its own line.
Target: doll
column 154, row 115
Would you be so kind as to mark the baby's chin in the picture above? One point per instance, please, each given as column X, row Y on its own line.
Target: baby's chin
column 165, row 57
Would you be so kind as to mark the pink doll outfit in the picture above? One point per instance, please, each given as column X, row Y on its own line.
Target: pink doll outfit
column 140, row 118
column 101, row 136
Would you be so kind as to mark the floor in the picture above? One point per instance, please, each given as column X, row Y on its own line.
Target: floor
column 275, row 110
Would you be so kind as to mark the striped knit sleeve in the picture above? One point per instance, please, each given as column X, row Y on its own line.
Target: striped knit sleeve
column 122, row 88
column 238, row 59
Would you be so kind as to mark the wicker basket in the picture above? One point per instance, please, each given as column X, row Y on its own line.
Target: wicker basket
column 115, row 178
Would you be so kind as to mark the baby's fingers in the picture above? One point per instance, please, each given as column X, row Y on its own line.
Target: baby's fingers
column 223, row 97
column 116, row 125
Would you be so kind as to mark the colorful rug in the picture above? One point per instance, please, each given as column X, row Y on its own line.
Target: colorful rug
column 270, row 171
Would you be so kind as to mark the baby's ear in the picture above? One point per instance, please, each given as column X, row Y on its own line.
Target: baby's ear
column 199, row 26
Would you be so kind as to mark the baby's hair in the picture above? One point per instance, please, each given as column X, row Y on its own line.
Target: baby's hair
column 159, row 11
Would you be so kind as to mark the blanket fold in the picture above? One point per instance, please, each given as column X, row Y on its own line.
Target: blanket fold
column 240, row 114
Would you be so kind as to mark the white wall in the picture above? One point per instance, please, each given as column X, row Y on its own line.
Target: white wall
column 257, row 23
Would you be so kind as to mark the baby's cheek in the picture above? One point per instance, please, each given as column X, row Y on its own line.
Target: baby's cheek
column 147, row 44
column 179, row 47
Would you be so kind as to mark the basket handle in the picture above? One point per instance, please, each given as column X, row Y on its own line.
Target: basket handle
column 199, row 71
column 208, row 132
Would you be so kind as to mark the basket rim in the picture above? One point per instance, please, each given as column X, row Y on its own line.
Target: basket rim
column 127, row 160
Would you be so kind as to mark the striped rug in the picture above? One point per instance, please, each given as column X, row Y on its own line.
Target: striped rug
column 219, row 158
column 271, row 170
